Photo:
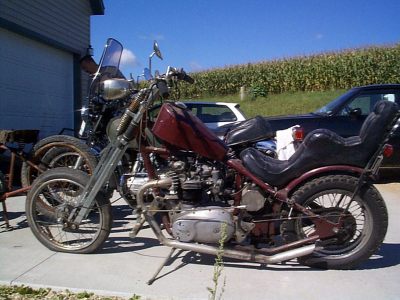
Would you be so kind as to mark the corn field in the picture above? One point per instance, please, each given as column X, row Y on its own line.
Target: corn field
column 327, row 71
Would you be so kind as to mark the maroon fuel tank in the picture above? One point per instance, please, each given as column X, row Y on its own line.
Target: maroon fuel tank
column 180, row 128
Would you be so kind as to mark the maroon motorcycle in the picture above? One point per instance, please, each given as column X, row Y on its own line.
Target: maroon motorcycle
column 320, row 206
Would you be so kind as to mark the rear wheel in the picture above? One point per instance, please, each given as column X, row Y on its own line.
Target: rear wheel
column 364, row 221
column 53, row 196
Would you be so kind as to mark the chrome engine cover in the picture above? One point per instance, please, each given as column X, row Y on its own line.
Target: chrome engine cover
column 203, row 225
column 136, row 181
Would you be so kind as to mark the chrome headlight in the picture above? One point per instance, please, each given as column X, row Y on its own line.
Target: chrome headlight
column 113, row 89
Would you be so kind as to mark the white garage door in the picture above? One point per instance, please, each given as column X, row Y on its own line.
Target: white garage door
column 36, row 85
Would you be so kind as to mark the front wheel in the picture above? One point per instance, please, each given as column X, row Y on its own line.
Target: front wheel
column 53, row 196
column 364, row 221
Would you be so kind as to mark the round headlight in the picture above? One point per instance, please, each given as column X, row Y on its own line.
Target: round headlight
column 113, row 89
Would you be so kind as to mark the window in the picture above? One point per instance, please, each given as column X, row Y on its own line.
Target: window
column 366, row 102
column 212, row 113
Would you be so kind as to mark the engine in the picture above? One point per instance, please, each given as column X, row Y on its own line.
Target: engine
column 199, row 195
column 200, row 200
column 196, row 182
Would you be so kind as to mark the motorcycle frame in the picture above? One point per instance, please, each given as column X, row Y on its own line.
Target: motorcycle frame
column 323, row 229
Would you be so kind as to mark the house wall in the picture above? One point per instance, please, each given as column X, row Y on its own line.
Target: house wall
column 66, row 23
column 60, row 25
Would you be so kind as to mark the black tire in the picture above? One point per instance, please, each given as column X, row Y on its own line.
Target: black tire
column 364, row 228
column 58, row 151
column 50, row 200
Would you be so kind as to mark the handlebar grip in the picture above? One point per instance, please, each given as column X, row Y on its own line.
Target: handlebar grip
column 185, row 77
column 188, row 79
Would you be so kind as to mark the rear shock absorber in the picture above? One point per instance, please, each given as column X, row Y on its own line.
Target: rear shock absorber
column 129, row 112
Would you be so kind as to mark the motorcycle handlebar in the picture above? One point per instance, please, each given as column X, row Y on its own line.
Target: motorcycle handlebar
column 180, row 74
column 186, row 77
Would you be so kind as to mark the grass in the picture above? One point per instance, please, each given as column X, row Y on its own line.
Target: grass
column 281, row 104
column 26, row 292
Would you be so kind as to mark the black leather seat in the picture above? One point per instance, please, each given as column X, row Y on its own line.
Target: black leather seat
column 323, row 147
column 249, row 131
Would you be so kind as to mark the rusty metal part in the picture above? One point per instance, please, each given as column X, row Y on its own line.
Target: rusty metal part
column 9, row 179
column 238, row 166
column 323, row 227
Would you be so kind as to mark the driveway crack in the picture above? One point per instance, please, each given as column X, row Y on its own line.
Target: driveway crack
column 30, row 269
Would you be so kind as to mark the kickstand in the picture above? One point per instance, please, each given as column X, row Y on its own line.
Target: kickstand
column 152, row 279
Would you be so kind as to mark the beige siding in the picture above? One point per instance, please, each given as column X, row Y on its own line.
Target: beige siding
column 67, row 22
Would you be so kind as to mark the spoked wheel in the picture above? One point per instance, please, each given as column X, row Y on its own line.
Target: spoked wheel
column 49, row 203
column 363, row 221
column 70, row 159
column 58, row 151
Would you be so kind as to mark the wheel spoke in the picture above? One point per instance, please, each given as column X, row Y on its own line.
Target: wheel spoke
column 332, row 206
column 51, row 208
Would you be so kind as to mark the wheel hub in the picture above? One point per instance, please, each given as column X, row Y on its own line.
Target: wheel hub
column 347, row 223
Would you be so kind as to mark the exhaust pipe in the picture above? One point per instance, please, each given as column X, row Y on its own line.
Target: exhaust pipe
column 161, row 183
column 251, row 256
column 246, row 255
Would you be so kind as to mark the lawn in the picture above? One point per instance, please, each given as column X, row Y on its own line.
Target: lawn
column 281, row 104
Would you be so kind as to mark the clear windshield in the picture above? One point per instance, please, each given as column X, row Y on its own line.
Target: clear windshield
column 334, row 105
column 109, row 65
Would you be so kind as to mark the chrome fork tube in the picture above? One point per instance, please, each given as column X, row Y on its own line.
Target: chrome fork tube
column 108, row 162
column 110, row 158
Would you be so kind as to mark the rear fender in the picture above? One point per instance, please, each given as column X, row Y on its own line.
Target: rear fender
column 327, row 170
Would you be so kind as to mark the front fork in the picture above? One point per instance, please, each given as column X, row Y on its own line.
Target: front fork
column 110, row 157
column 108, row 162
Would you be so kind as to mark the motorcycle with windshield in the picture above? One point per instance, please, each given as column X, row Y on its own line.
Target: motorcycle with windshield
column 320, row 206
column 102, row 114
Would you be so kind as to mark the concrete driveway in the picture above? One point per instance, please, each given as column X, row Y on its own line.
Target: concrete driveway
column 124, row 265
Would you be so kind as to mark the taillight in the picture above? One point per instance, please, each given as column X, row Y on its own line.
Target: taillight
column 388, row 150
column 298, row 133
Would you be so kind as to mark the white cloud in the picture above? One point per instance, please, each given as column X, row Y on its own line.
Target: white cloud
column 128, row 59
column 195, row 66
column 152, row 37
column 319, row 36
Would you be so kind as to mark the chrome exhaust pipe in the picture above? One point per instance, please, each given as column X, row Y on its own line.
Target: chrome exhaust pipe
column 158, row 183
column 251, row 256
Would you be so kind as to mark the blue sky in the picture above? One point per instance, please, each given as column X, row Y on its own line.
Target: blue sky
column 198, row 35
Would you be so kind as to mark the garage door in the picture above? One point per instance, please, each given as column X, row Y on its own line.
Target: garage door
column 36, row 85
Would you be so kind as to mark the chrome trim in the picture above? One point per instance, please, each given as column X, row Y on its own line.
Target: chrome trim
column 114, row 89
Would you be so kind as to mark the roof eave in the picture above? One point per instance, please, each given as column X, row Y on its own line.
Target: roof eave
column 97, row 7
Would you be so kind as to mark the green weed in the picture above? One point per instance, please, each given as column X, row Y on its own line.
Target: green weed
column 219, row 266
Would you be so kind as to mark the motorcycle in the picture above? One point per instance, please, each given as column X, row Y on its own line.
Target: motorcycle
column 319, row 206
column 98, row 118
column 82, row 150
